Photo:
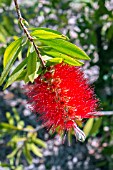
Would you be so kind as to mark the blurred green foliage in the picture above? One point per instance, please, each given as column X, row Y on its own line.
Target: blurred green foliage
column 87, row 23
column 22, row 141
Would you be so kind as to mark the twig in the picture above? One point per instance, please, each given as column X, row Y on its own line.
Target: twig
column 30, row 38
column 102, row 113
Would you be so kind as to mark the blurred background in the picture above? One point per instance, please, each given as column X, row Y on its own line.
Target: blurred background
column 24, row 143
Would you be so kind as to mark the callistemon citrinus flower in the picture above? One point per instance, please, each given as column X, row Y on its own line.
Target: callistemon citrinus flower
column 62, row 97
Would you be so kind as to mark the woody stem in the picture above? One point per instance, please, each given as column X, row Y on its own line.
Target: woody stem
column 30, row 38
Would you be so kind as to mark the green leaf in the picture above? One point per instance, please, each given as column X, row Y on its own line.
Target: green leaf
column 16, row 114
column 6, row 165
column 19, row 167
column 73, row 62
column 22, row 76
column 26, row 78
column 20, row 66
column 31, row 65
column 8, row 126
column 10, row 118
column 88, row 126
column 96, row 126
column 27, row 153
column 35, row 150
column 13, row 153
column 66, row 58
column 39, row 142
column 13, row 78
column 66, row 47
column 16, row 73
column 47, row 33
column 17, row 139
column 9, row 65
column 53, row 61
column 2, row 38
column 20, row 124
column 11, row 50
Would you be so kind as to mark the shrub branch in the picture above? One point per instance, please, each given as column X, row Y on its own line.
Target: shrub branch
column 30, row 38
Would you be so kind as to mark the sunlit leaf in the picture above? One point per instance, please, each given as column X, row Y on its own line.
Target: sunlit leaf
column 11, row 51
column 27, row 153
column 13, row 153
column 35, row 150
column 16, row 114
column 47, row 33
column 8, row 126
column 88, row 126
column 17, row 139
column 20, row 66
column 66, row 58
column 13, row 78
column 96, row 126
column 10, row 118
column 9, row 65
column 31, row 65
column 22, row 76
column 53, row 61
column 20, row 124
column 39, row 142
column 66, row 47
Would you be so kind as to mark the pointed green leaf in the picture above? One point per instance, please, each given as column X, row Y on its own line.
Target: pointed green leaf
column 17, row 139
column 39, row 142
column 31, row 65
column 53, row 61
column 13, row 153
column 8, row 126
column 35, row 150
column 47, row 33
column 8, row 66
column 6, row 165
column 20, row 124
column 16, row 73
column 2, row 38
column 10, row 118
column 96, row 126
column 66, row 47
column 16, row 114
column 27, row 153
column 66, row 58
column 73, row 62
column 11, row 50
column 13, row 78
column 22, row 75
column 88, row 126
column 20, row 66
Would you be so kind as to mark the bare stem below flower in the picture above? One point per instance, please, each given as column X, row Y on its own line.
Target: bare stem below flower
column 30, row 38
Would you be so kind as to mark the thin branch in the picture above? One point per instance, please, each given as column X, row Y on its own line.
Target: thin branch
column 30, row 38
column 102, row 113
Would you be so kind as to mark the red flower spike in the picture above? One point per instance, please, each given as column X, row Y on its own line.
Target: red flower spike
column 61, row 97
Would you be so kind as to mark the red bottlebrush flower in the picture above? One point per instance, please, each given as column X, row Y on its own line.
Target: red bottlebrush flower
column 61, row 97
